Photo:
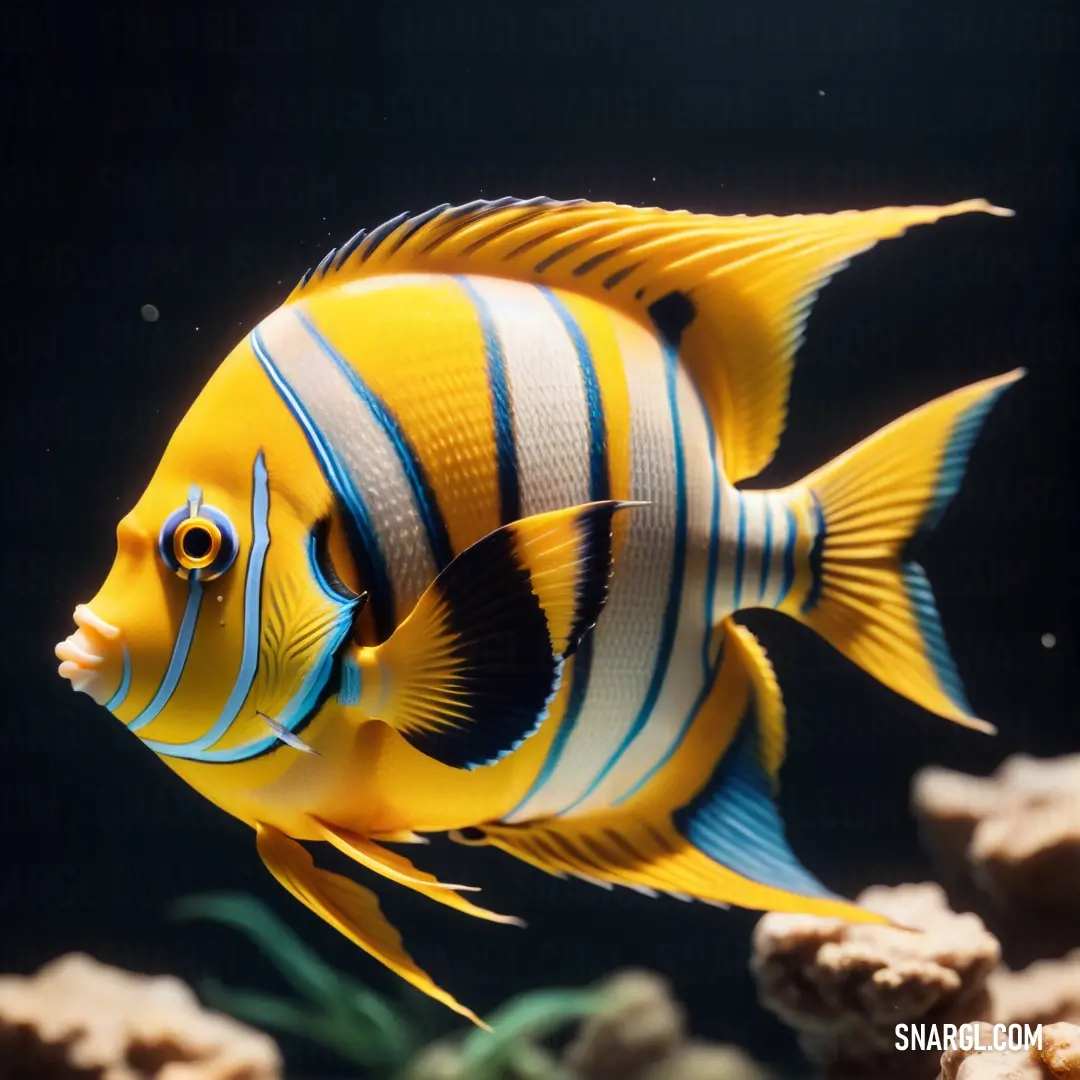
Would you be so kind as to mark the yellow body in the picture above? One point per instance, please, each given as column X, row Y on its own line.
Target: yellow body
column 317, row 686
column 366, row 776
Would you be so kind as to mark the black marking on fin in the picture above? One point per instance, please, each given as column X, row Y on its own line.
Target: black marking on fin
column 640, row 293
column 505, row 674
column 595, row 579
column 377, row 236
column 550, row 260
column 465, row 215
column 672, row 314
column 501, row 230
column 536, row 241
column 416, row 223
column 593, row 262
column 349, row 248
column 817, row 550
column 457, row 217
column 620, row 275
column 484, row 209
column 328, row 258
column 465, row 209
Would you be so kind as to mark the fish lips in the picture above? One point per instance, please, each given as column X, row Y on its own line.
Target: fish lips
column 91, row 657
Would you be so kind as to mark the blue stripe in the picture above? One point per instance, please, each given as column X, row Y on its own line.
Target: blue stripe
column 249, row 657
column 509, row 490
column 710, row 667
column 954, row 462
column 289, row 718
column 121, row 694
column 349, row 693
column 423, row 495
column 740, row 554
column 599, row 478
column 364, row 541
column 957, row 453
column 671, row 615
column 580, row 681
column 178, row 660
column 711, row 674
column 766, row 553
column 789, row 555
column 734, row 820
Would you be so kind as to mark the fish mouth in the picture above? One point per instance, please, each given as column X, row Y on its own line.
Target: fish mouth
column 90, row 659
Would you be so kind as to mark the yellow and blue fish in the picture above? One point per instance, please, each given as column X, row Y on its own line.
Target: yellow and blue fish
column 452, row 542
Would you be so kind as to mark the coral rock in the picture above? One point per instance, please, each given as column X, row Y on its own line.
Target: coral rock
column 1058, row 1059
column 1016, row 837
column 79, row 1018
column 641, row 1026
column 1061, row 1051
column 844, row 987
column 1047, row 992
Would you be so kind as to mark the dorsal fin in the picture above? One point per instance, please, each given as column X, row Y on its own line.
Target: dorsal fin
column 732, row 292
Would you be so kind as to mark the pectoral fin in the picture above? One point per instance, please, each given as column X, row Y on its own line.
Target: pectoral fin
column 350, row 909
column 397, row 868
column 469, row 675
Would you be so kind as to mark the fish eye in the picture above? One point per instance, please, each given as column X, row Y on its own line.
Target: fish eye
column 196, row 543
column 204, row 542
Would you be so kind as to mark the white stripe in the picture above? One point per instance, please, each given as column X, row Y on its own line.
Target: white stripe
column 628, row 632
column 547, row 394
column 776, row 505
column 365, row 450
column 686, row 672
column 754, row 547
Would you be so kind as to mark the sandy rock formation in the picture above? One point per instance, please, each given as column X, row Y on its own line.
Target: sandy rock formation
column 79, row 1018
column 640, row 1035
column 844, row 987
column 1046, row 992
column 1014, row 837
column 1059, row 1059
column 641, row 1026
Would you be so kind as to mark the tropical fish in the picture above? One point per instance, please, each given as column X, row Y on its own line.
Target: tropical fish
column 452, row 542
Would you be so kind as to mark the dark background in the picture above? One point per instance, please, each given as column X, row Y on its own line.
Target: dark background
column 201, row 161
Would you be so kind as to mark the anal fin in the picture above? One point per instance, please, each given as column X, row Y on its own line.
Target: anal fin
column 653, row 856
column 350, row 909
column 725, row 845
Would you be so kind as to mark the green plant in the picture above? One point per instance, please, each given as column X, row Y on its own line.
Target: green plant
column 334, row 1009
column 509, row 1049
column 364, row 1027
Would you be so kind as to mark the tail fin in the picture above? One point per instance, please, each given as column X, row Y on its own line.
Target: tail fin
column 864, row 595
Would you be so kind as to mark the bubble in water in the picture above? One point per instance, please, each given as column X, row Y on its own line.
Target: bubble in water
column 149, row 313
column 1049, row 641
